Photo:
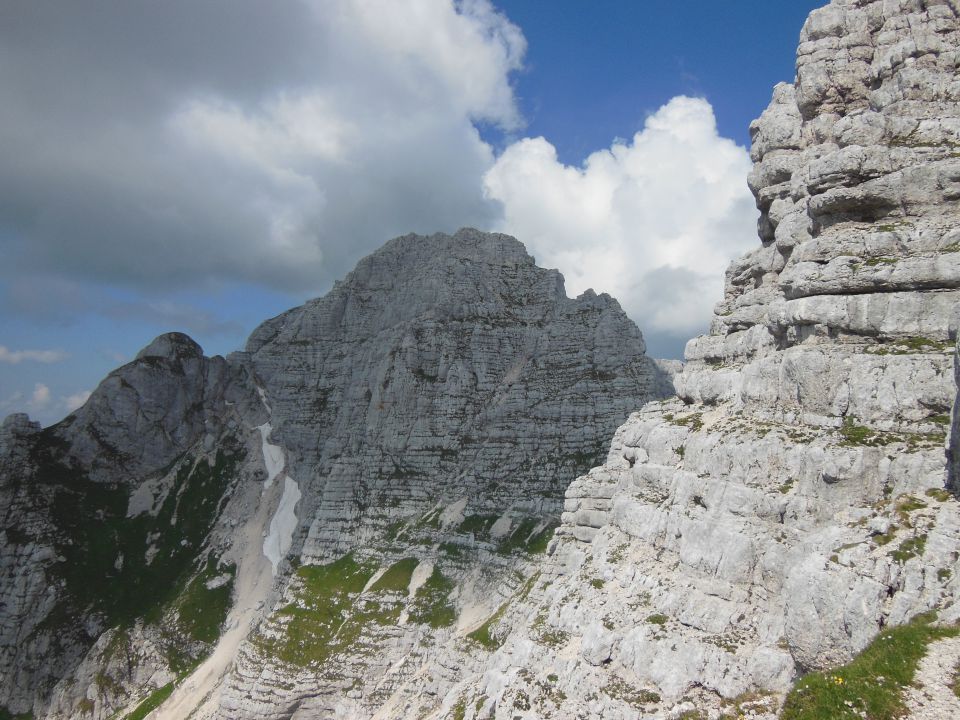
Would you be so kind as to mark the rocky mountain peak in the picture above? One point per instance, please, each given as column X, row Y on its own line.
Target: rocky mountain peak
column 172, row 346
column 428, row 413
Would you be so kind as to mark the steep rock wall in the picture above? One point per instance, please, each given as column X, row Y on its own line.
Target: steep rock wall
column 418, row 424
column 791, row 502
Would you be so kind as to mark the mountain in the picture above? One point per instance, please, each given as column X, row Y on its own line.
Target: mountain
column 445, row 490
column 422, row 420
column 795, row 499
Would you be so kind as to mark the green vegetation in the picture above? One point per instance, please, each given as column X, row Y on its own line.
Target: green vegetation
column 874, row 261
column 478, row 525
column 152, row 702
column 854, row 435
column 431, row 605
column 657, row 619
column 397, row 577
column 910, row 346
column 326, row 617
column 618, row 689
column 525, row 539
column 909, row 548
column 694, row 421
column 521, row 701
column 485, row 635
column 430, row 520
column 105, row 568
column 201, row 610
column 748, row 703
column 394, row 530
column 331, row 614
column 617, row 554
column 451, row 550
column 872, row 684
column 546, row 634
column 537, row 545
column 884, row 538
column 908, row 504
column 460, row 709
column 7, row 715
column 939, row 494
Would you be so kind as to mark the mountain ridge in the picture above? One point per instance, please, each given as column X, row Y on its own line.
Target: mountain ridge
column 437, row 369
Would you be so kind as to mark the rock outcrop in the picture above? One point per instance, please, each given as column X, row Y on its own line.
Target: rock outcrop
column 419, row 423
column 792, row 501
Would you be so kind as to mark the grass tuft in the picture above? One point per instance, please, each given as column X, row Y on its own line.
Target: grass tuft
column 432, row 605
column 397, row 577
column 871, row 685
column 153, row 701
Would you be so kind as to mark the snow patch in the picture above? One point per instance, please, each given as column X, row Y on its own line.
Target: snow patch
column 272, row 455
column 283, row 524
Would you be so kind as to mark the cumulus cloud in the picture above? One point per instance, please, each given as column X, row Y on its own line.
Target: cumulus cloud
column 653, row 221
column 171, row 143
column 40, row 398
column 15, row 357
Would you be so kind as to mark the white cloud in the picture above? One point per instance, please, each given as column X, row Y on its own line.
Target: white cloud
column 40, row 397
column 72, row 402
column 275, row 148
column 653, row 222
column 14, row 357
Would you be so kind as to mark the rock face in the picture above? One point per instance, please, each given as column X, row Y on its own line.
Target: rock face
column 792, row 500
column 420, row 423
column 443, row 369
column 354, row 517
column 74, row 564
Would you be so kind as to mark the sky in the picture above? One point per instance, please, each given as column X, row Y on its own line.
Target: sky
column 203, row 165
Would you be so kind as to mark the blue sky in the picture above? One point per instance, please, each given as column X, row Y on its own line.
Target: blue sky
column 204, row 166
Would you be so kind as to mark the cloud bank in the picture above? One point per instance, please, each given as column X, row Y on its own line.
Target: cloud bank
column 168, row 144
column 183, row 165
column 654, row 221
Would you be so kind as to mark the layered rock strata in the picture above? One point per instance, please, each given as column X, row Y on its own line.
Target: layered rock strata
column 793, row 500
column 432, row 407
column 413, row 431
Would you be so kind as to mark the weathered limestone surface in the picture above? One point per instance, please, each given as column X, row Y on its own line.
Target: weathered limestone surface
column 444, row 375
column 443, row 368
column 433, row 406
column 791, row 501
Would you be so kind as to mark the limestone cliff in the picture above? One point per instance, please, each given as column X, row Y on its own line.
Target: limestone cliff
column 418, row 426
column 791, row 502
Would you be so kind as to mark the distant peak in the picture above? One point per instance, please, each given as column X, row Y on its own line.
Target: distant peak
column 465, row 243
column 173, row 345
